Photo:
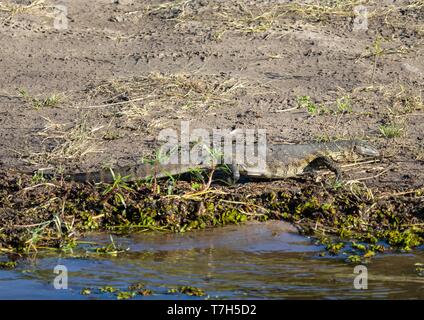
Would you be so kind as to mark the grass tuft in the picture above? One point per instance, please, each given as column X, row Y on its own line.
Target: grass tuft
column 70, row 143
column 391, row 130
column 135, row 97
column 35, row 7
column 50, row 101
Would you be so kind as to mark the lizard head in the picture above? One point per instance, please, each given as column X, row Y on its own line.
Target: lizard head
column 363, row 149
column 352, row 150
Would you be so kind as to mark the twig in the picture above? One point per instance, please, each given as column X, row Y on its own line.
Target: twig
column 397, row 194
column 33, row 225
column 287, row 110
column 367, row 178
column 39, row 185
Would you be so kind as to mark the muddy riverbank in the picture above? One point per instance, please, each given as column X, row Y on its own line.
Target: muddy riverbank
column 39, row 213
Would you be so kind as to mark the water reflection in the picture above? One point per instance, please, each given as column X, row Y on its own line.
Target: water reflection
column 256, row 260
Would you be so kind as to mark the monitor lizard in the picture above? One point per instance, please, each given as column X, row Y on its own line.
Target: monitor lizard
column 282, row 161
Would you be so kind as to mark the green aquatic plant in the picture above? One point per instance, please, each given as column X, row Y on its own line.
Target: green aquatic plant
column 419, row 269
column 86, row 291
column 188, row 290
column 108, row 289
column 334, row 248
column 354, row 259
column 145, row 292
column 110, row 249
column 369, row 254
column 358, row 246
column 125, row 295
column 403, row 239
column 88, row 222
column 8, row 265
column 136, row 286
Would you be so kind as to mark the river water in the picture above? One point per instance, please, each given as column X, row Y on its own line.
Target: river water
column 255, row 260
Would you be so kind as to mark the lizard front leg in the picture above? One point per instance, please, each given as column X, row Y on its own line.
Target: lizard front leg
column 331, row 165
